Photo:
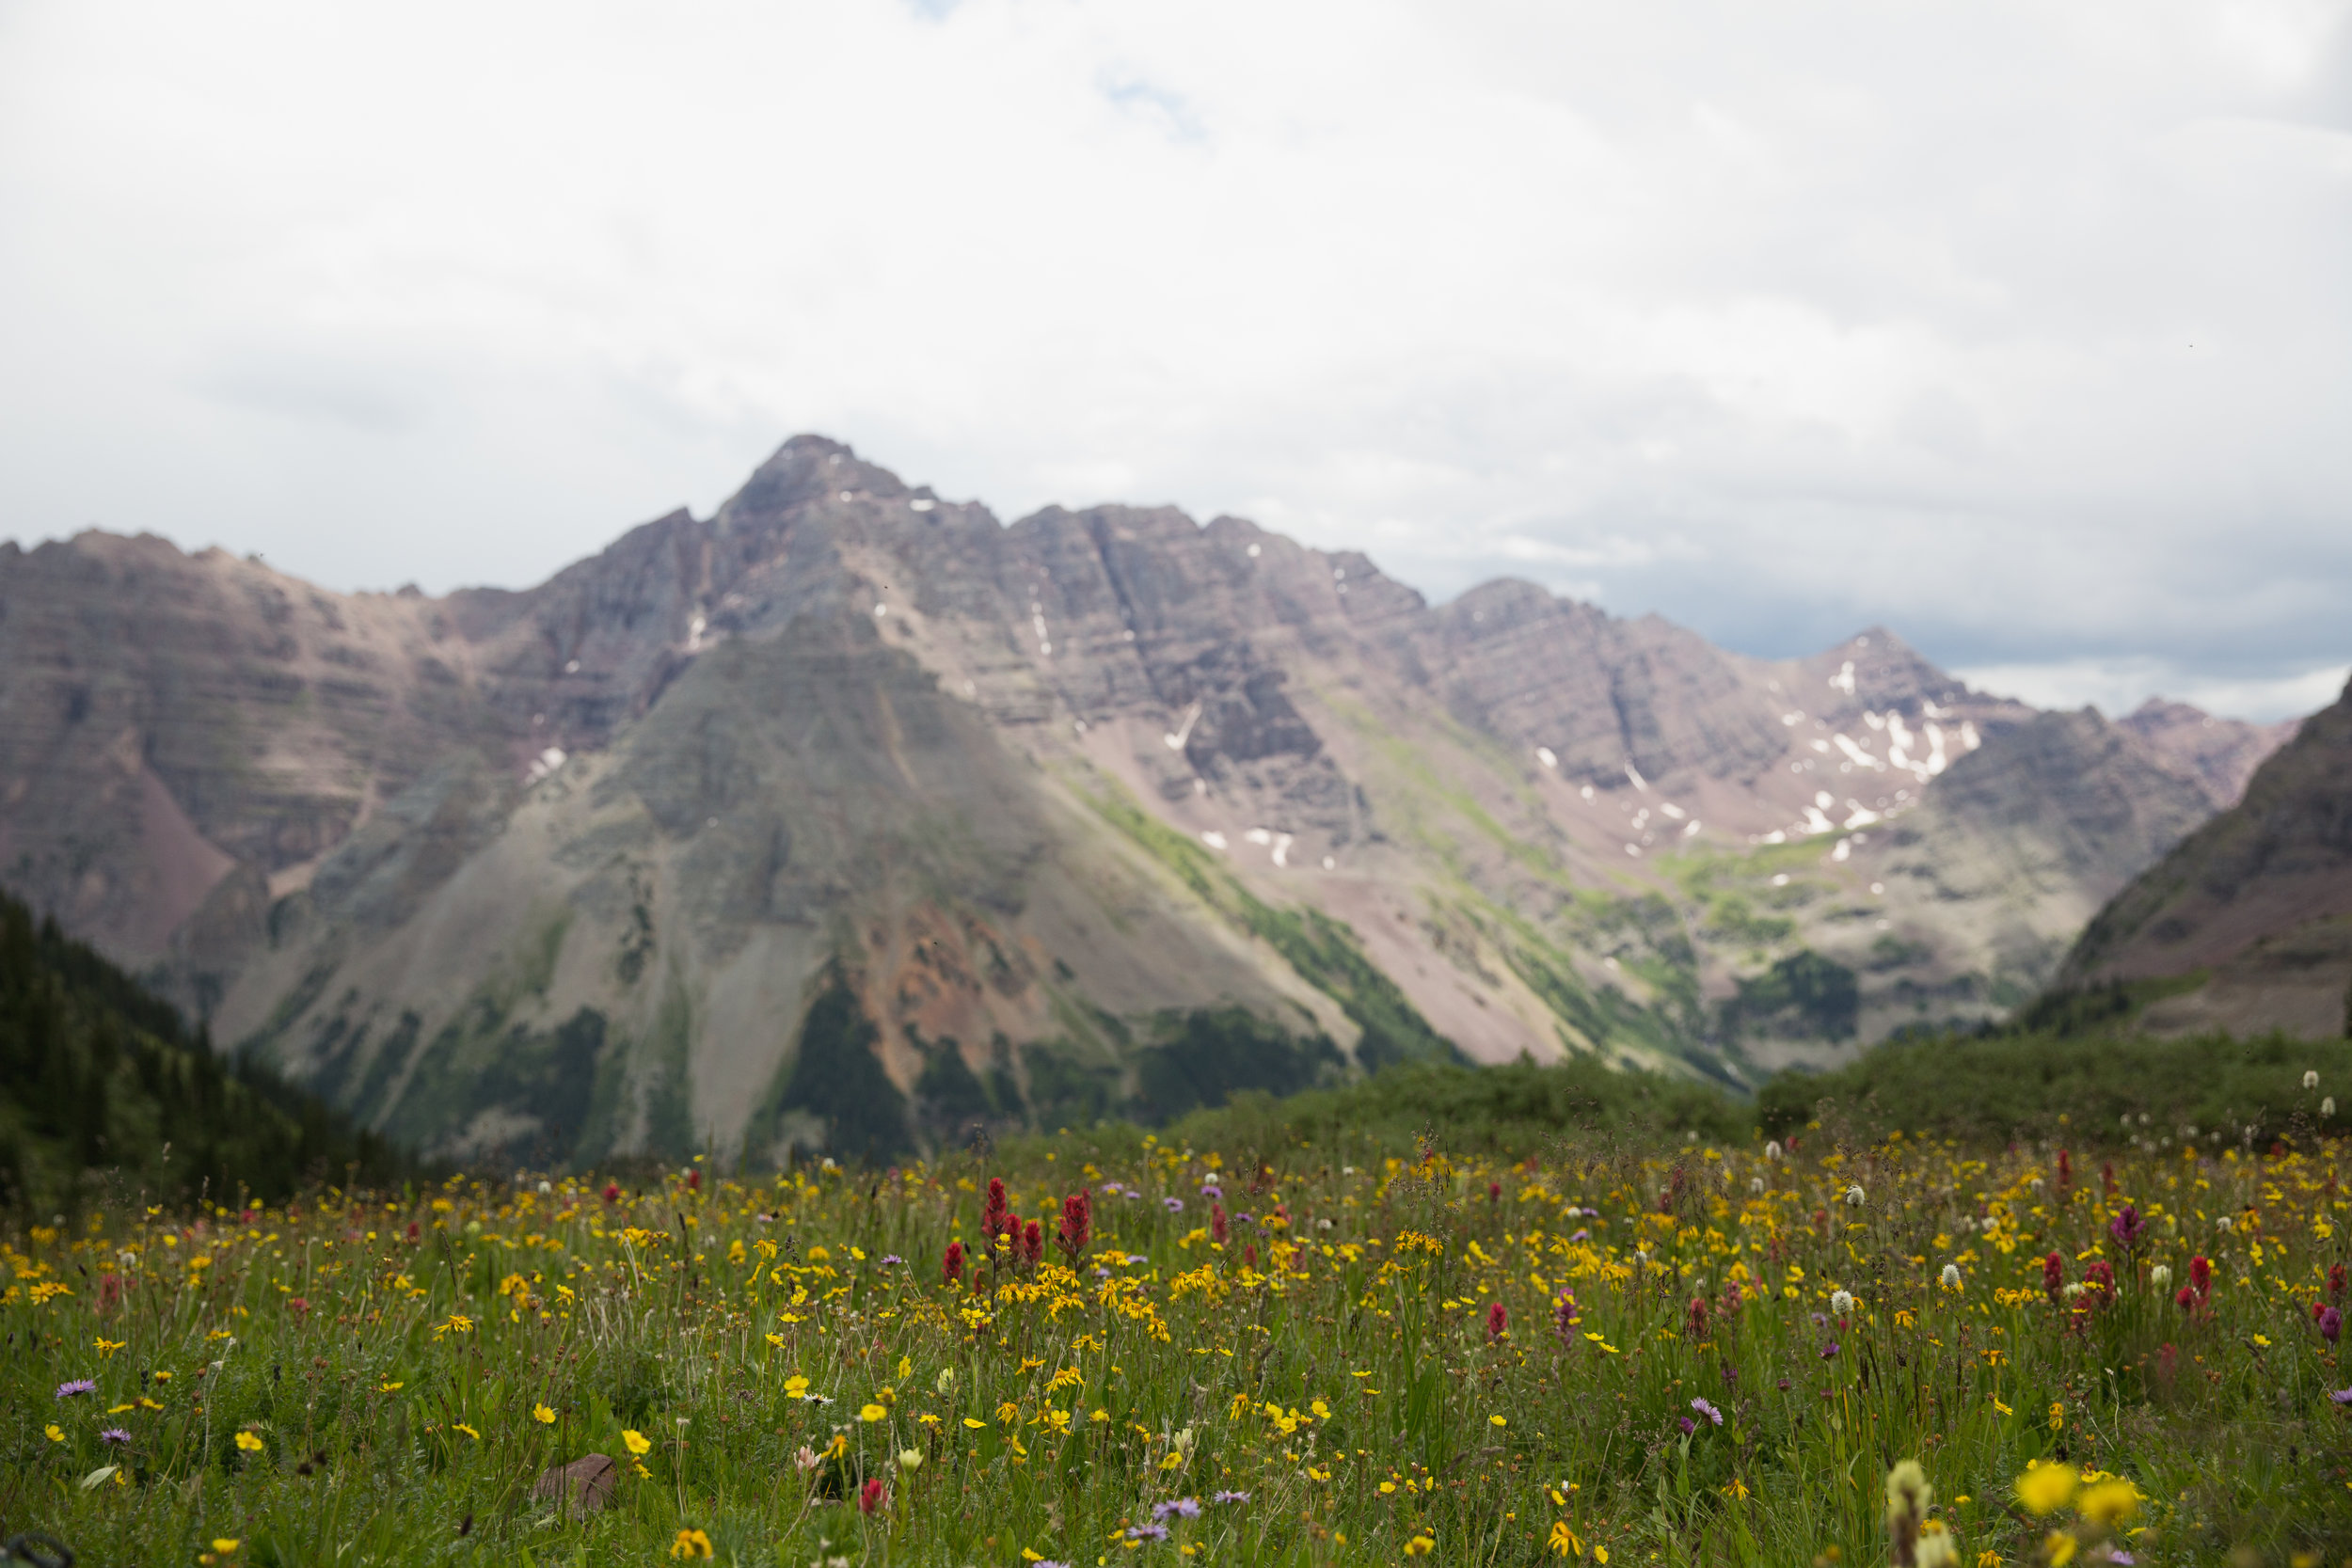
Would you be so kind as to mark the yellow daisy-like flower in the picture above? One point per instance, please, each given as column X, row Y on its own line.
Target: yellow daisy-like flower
column 389, row 1387
column 54, row 1432
column 795, row 1386
column 250, row 1442
column 1420, row 1545
column 690, row 1543
column 543, row 1415
column 469, row 1431
column 974, row 1425
column 2046, row 1488
column 2107, row 1502
column 225, row 1545
column 637, row 1443
column 1497, row 1420
column 871, row 1413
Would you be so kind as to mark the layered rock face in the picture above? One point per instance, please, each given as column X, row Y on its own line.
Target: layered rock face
column 650, row 855
column 2255, row 906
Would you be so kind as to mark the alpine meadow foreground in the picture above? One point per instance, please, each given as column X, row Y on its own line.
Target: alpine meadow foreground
column 1297, row 1354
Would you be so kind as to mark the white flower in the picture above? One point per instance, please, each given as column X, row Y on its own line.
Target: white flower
column 1841, row 1302
column 2327, row 1107
column 2074, row 1289
column 2311, row 1080
column 1772, row 1149
column 910, row 1458
column 1951, row 1276
column 2223, row 1223
column 1755, row 1183
column 2160, row 1278
column 1853, row 1195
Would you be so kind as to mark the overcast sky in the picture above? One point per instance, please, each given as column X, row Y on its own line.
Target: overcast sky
column 2022, row 329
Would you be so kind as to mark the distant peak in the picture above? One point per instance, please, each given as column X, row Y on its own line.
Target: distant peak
column 807, row 467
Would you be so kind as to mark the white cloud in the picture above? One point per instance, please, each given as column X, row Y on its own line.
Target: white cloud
column 2019, row 329
column 2117, row 687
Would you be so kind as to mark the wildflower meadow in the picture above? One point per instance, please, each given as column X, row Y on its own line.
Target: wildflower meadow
column 1113, row 1349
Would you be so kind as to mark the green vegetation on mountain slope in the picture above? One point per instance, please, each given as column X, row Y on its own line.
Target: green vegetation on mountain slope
column 98, row 1074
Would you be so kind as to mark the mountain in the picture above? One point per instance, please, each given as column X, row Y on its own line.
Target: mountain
column 100, row 1078
column 2252, row 913
column 850, row 815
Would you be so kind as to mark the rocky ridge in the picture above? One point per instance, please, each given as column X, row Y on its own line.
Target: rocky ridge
column 574, row 866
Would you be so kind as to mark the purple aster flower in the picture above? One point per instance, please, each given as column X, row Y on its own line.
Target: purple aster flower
column 114, row 1434
column 2341, row 1396
column 1210, row 1189
column 1183, row 1508
column 1101, row 1273
column 1148, row 1532
column 1173, row 1205
column 1687, row 1425
column 1707, row 1410
column 891, row 1258
column 1582, row 1236
column 78, row 1386
column 1243, row 1497
column 1134, row 1258
column 1829, row 1351
column 1244, row 1219
column 2117, row 1554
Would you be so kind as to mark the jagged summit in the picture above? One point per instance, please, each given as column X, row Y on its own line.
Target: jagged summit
column 574, row 863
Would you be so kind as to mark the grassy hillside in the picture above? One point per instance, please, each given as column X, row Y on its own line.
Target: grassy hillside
column 102, row 1084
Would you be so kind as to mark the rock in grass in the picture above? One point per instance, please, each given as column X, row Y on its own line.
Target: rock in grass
column 584, row 1486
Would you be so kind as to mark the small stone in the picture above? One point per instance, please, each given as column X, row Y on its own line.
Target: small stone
column 584, row 1486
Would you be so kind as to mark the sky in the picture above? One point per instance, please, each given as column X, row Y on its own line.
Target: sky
column 2022, row 330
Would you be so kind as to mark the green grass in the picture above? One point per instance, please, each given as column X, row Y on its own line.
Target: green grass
column 380, row 1378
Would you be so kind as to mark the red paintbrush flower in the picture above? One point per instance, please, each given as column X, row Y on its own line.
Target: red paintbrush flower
column 1497, row 1320
column 1077, row 1223
column 952, row 1270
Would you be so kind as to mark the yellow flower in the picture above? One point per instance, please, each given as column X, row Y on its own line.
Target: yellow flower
column 2046, row 1488
column 2060, row 1549
column 250, row 1442
column 637, row 1443
column 469, row 1431
column 872, row 1413
column 794, row 1387
column 1601, row 1554
column 225, row 1545
column 1172, row 1460
column 690, row 1543
column 776, row 1339
column 2058, row 1415
column 389, row 1387
column 1420, row 1545
column 107, row 1347
column 54, row 1432
column 542, row 1414
column 2107, row 1502
column 1563, row 1540
column 1497, row 1420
